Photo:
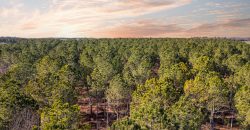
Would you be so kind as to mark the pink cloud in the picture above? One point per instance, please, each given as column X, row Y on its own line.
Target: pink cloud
column 229, row 28
column 114, row 18
column 142, row 28
column 149, row 28
column 77, row 16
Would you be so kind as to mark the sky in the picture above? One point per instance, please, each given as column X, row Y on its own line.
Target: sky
column 124, row 18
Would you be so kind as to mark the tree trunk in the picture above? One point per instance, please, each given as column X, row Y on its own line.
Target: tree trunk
column 97, row 105
column 117, row 115
column 97, row 122
column 231, row 126
column 91, row 108
column 231, row 103
column 117, row 110
column 90, row 102
column 212, row 118
column 107, row 112
column 151, row 125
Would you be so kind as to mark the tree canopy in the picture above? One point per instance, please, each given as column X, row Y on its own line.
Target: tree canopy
column 144, row 83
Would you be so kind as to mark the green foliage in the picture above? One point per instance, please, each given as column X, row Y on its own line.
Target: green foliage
column 117, row 89
column 242, row 76
column 60, row 116
column 207, row 89
column 137, row 68
column 86, row 61
column 21, row 72
column 63, row 89
column 35, row 128
column 103, row 71
column 125, row 123
column 203, row 63
column 177, row 74
column 149, row 102
column 47, row 66
column 174, row 83
column 184, row 115
column 12, row 100
column 235, row 61
column 242, row 103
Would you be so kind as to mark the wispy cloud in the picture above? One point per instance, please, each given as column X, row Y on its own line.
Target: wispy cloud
column 69, row 17
column 115, row 18
column 142, row 28
column 235, row 27
column 151, row 28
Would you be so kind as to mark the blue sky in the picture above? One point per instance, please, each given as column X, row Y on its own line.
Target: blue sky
column 125, row 18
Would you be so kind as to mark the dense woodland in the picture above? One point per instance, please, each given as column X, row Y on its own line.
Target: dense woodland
column 132, row 84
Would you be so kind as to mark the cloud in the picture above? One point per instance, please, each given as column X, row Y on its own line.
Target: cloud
column 142, row 28
column 138, row 7
column 79, row 17
column 13, row 11
column 28, row 26
column 235, row 27
column 117, row 18
column 152, row 28
column 228, row 4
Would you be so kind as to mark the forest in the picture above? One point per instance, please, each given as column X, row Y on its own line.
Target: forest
column 124, row 84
